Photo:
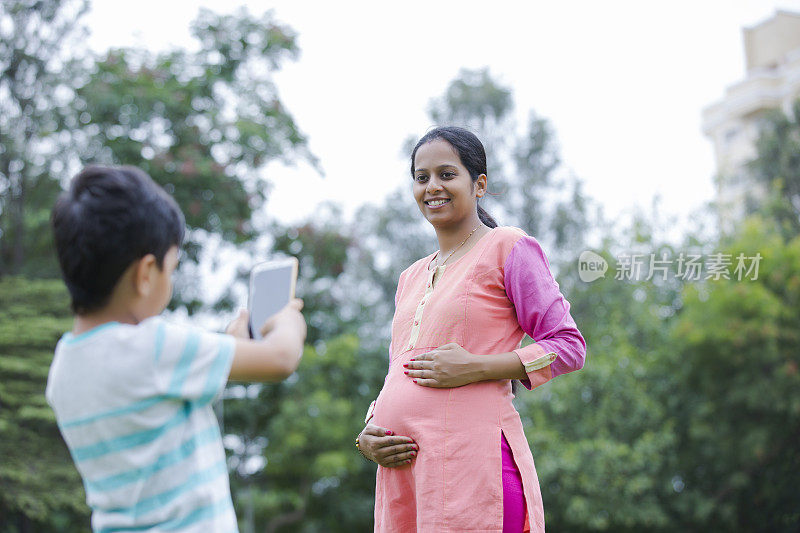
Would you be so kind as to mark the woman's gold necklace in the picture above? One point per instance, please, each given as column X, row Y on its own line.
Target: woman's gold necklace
column 459, row 246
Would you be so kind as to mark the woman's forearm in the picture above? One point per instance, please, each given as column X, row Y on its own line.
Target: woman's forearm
column 499, row 366
column 452, row 366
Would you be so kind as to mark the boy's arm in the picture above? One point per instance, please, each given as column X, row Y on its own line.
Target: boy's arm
column 276, row 356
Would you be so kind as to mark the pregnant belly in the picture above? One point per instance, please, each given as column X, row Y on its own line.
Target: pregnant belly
column 416, row 411
column 407, row 408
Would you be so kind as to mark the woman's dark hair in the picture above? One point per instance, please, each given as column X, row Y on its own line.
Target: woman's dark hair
column 469, row 149
column 107, row 219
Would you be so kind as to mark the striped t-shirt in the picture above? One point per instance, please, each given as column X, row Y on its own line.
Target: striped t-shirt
column 134, row 404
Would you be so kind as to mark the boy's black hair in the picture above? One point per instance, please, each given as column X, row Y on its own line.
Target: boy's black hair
column 107, row 219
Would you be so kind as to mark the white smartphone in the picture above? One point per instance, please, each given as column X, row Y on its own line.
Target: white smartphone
column 271, row 288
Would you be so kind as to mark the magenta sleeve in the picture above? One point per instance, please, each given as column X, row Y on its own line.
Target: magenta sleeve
column 542, row 313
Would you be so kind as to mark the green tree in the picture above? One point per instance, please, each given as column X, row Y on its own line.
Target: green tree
column 274, row 490
column 476, row 101
column 40, row 69
column 203, row 124
column 40, row 489
column 322, row 248
column 777, row 167
column 309, row 476
column 737, row 354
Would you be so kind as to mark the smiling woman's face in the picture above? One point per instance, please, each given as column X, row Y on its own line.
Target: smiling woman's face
column 443, row 188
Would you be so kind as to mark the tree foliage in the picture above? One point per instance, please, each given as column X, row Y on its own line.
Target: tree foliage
column 40, row 70
column 314, row 479
column 40, row 489
column 203, row 124
column 322, row 247
column 738, row 354
column 777, row 167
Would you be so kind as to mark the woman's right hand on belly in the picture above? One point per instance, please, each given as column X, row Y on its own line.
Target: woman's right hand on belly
column 385, row 448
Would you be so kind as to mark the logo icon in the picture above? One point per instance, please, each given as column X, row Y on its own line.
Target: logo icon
column 591, row 266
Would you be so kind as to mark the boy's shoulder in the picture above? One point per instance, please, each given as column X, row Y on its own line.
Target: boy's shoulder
column 115, row 364
column 151, row 343
column 153, row 326
column 127, row 336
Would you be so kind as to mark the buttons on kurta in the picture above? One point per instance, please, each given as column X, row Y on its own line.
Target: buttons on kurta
column 432, row 275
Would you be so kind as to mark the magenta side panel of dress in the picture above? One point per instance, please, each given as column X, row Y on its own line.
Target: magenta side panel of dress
column 513, row 494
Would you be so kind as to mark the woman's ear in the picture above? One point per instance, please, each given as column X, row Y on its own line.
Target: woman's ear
column 144, row 275
column 480, row 185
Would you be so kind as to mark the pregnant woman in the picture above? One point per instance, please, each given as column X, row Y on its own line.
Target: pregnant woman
column 450, row 445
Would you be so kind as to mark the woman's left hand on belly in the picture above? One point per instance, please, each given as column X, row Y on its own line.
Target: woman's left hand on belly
column 382, row 446
column 444, row 367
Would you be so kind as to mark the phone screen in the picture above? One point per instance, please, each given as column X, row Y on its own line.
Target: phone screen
column 271, row 288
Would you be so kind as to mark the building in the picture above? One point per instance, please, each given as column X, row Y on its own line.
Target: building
column 772, row 81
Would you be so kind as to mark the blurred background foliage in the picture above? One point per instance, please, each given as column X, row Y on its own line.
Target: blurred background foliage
column 685, row 418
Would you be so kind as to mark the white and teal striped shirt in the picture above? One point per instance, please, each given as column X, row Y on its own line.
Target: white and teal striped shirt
column 134, row 404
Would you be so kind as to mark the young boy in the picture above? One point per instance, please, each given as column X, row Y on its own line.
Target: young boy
column 132, row 393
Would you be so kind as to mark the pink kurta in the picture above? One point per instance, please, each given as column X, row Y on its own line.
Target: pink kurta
column 485, row 301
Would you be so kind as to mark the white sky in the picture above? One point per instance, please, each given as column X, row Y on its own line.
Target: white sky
column 623, row 84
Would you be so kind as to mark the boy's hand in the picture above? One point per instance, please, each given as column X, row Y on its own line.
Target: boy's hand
column 276, row 356
column 238, row 327
column 289, row 317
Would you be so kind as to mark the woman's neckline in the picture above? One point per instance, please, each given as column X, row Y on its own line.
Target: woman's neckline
column 433, row 256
